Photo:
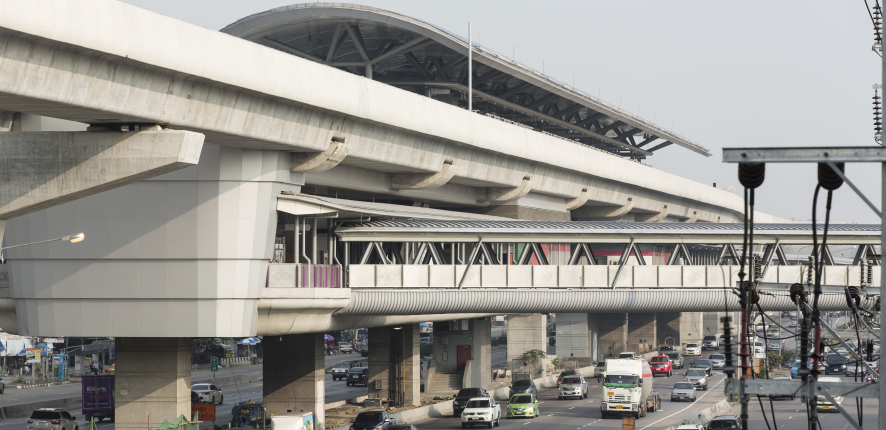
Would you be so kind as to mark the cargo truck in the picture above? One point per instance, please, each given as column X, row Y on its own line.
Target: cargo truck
column 98, row 397
column 627, row 389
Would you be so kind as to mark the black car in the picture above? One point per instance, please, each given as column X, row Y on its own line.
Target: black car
column 704, row 363
column 724, row 423
column 523, row 386
column 195, row 398
column 836, row 364
column 373, row 420
column 402, row 427
column 461, row 399
column 358, row 375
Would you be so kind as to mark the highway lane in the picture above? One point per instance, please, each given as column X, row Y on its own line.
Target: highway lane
column 577, row 414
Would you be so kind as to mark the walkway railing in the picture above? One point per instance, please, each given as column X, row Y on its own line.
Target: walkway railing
column 588, row 276
column 304, row 276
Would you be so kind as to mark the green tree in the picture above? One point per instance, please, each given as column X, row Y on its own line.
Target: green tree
column 558, row 363
column 532, row 355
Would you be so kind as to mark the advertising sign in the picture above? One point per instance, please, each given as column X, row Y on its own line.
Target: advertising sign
column 206, row 411
column 32, row 355
column 230, row 348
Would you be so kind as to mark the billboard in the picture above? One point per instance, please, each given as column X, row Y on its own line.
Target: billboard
column 32, row 355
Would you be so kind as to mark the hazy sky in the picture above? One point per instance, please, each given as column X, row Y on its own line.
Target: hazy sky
column 724, row 74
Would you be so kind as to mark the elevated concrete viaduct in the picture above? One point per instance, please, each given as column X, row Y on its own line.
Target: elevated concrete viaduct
column 190, row 239
column 71, row 68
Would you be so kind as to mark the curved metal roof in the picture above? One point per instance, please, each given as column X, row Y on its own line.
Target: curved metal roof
column 504, row 301
column 603, row 232
column 418, row 56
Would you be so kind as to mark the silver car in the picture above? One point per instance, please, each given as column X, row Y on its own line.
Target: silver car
column 683, row 391
column 52, row 419
column 676, row 358
column 718, row 361
column 573, row 386
column 698, row 378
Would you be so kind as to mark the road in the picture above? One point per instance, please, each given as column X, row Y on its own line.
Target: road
column 577, row 414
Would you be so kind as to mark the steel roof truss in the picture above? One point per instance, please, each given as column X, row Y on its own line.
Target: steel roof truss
column 418, row 66
column 449, row 66
column 357, row 38
column 660, row 145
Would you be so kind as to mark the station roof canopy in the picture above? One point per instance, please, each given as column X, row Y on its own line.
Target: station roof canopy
column 423, row 58
column 326, row 207
column 602, row 232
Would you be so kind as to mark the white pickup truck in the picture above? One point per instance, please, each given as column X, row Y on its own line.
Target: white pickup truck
column 481, row 411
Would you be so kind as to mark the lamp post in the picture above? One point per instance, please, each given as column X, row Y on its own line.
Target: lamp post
column 74, row 238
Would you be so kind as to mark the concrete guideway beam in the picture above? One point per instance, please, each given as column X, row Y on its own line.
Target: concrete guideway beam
column 652, row 217
column 426, row 181
column 578, row 201
column 501, row 195
column 191, row 88
column 44, row 169
column 314, row 162
column 605, row 211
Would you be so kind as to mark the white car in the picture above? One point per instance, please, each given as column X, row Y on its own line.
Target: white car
column 690, row 427
column 627, row 355
column 52, row 419
column 692, row 349
column 345, row 347
column 759, row 348
column 481, row 410
column 208, row 393
column 573, row 386
column 822, row 403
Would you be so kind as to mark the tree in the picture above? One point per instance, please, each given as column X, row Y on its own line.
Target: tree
column 532, row 355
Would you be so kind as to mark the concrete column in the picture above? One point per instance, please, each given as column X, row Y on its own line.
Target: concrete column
column 294, row 372
column 613, row 333
column 641, row 332
column 395, row 364
column 573, row 335
column 153, row 381
column 526, row 332
column 691, row 327
column 711, row 323
column 471, row 337
column 668, row 328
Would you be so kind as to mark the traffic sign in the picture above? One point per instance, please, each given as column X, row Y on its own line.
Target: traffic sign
column 213, row 364
column 206, row 411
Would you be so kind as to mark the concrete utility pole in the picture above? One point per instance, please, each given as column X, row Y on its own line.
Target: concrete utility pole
column 470, row 71
column 881, row 421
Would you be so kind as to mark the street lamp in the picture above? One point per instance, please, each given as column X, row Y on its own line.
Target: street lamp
column 74, row 238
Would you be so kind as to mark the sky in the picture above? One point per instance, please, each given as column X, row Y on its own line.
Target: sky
column 723, row 74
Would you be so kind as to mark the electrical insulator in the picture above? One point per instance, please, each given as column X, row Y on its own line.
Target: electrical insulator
column 878, row 123
column 809, row 273
column 861, row 274
column 758, row 268
column 870, row 273
column 878, row 27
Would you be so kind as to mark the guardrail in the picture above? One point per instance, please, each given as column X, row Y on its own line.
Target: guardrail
column 304, row 276
column 552, row 276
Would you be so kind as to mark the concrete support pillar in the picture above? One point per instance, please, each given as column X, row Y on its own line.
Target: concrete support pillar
column 464, row 348
column 668, row 328
column 578, row 336
column 153, row 381
column 294, row 372
column 573, row 335
column 613, row 335
column 691, row 327
column 642, row 332
column 526, row 332
column 395, row 365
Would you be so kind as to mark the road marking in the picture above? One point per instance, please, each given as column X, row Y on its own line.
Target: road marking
column 525, row 424
column 690, row 405
column 550, row 415
column 572, row 407
column 790, row 417
column 590, row 401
